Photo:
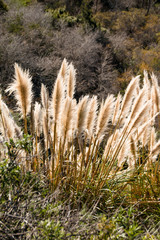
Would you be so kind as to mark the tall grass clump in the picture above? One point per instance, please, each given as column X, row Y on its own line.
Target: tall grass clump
column 88, row 146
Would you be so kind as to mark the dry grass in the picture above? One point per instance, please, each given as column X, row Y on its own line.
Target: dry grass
column 77, row 146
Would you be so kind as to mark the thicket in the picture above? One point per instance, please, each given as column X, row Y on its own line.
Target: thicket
column 54, row 173
column 91, row 154
column 29, row 38
column 108, row 44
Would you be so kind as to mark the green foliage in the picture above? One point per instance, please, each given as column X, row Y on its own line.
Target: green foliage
column 14, row 148
column 51, row 229
column 16, row 25
column 62, row 14
column 10, row 178
column 86, row 11
column 31, row 203
column 126, row 219
column 22, row 3
column 10, row 171
column 3, row 6
column 124, row 224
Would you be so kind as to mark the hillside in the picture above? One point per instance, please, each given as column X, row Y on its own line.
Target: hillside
column 73, row 167
column 107, row 43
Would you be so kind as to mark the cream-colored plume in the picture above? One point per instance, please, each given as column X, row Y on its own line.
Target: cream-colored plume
column 38, row 119
column 82, row 108
column 57, row 100
column 46, row 127
column 69, row 118
column 71, row 81
column 7, row 123
column 128, row 97
column 137, row 121
column 152, row 138
column 105, row 114
column 133, row 148
column 63, row 71
column 91, row 115
column 116, row 109
column 156, row 149
column 22, row 88
column 44, row 97
column 147, row 84
column 111, row 143
column 139, row 102
column 121, row 156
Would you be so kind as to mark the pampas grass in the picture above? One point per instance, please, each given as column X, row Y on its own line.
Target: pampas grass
column 57, row 100
column 22, row 88
column 105, row 114
column 80, row 145
column 81, row 121
column 71, row 81
column 68, row 120
column 37, row 119
column 130, row 93
column 91, row 115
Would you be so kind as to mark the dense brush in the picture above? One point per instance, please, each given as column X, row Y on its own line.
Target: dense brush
column 78, row 143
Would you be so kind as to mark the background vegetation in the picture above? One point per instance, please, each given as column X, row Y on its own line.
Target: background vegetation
column 108, row 42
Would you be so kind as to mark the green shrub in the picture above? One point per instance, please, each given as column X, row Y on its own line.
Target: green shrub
column 16, row 26
column 62, row 14
column 22, row 3
column 3, row 6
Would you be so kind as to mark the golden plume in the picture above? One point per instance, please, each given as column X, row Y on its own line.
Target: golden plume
column 22, row 88
column 128, row 97
column 116, row 109
column 57, row 100
column 44, row 97
column 68, row 119
column 104, row 116
column 91, row 115
column 81, row 122
column 71, row 81
column 38, row 119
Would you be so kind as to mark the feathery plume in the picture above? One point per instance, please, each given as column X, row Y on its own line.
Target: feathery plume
column 133, row 147
column 109, row 148
column 92, row 114
column 22, row 88
column 123, row 153
column 155, row 98
column 142, row 129
column 116, row 109
column 146, row 135
column 129, row 95
column 138, row 103
column 156, row 149
column 44, row 97
column 81, row 122
column 13, row 128
column 104, row 116
column 152, row 138
column 138, row 119
column 46, row 125
column 63, row 71
column 68, row 120
column 71, row 81
column 37, row 119
column 57, row 100
column 147, row 84
column 9, row 126
column 7, row 122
